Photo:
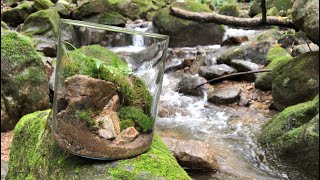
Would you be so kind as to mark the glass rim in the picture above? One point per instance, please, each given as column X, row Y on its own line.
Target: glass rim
column 113, row 28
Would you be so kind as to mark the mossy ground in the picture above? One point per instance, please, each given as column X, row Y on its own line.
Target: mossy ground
column 43, row 159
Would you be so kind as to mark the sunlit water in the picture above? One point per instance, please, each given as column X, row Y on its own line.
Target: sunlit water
column 231, row 132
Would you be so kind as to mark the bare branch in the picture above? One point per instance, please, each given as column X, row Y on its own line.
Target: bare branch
column 214, row 17
column 234, row 74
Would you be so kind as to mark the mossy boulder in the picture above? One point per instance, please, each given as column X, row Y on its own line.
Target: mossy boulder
column 229, row 10
column 179, row 29
column 293, row 135
column 43, row 26
column 135, row 9
column 24, row 83
column 64, row 8
column 305, row 16
column 42, row 4
column 254, row 51
column 281, row 5
column 90, row 8
column 109, row 18
column 17, row 15
column 275, row 56
column 296, row 81
column 43, row 159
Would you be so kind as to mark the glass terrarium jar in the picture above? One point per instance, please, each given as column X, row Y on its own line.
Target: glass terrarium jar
column 107, row 88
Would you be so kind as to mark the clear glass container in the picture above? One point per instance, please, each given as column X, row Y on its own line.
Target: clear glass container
column 107, row 88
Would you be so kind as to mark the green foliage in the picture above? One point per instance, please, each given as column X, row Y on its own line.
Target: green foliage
column 276, row 54
column 144, row 122
column 87, row 116
column 124, row 124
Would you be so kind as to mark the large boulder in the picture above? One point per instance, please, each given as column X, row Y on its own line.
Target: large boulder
column 179, row 29
column 193, row 154
column 17, row 15
column 24, row 84
column 275, row 56
column 135, row 9
column 305, row 15
column 293, row 135
column 281, row 5
column 43, row 27
column 254, row 50
column 43, row 159
column 296, row 81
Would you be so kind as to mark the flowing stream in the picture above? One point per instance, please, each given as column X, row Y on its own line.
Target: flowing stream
column 231, row 132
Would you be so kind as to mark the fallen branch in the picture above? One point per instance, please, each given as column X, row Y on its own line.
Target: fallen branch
column 234, row 74
column 214, row 17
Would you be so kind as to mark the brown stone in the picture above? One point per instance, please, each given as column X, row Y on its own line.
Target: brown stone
column 129, row 134
column 234, row 41
column 193, row 154
column 111, row 126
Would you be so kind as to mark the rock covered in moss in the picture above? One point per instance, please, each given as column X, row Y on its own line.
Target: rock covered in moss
column 295, row 81
column 293, row 135
column 43, row 159
column 24, row 84
column 229, row 10
column 18, row 14
column 135, row 9
column 254, row 50
column 89, row 8
column 281, row 5
column 42, row 4
column 305, row 16
column 64, row 8
column 108, row 18
column 178, row 29
column 43, row 26
column 4, row 26
column 275, row 56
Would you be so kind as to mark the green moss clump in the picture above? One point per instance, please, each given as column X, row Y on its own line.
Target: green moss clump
column 42, row 22
column 124, row 124
column 143, row 122
column 111, row 18
column 4, row 26
column 87, row 116
column 46, row 160
column 42, row 4
column 229, row 10
column 18, row 14
column 275, row 56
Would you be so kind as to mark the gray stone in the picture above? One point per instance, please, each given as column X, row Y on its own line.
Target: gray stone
column 225, row 95
column 193, row 154
column 305, row 16
column 17, row 15
column 244, row 66
column 211, row 72
column 4, row 169
column 189, row 82
column 302, row 48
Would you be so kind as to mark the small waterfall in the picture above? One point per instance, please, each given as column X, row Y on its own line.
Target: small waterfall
column 138, row 40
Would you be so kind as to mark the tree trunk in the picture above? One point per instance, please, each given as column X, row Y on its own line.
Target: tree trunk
column 229, row 20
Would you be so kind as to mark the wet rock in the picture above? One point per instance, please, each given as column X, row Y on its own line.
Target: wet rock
column 303, row 48
column 276, row 55
column 234, row 40
column 51, row 159
column 42, row 26
column 64, row 8
column 166, row 110
column 24, row 83
column 177, row 28
column 18, row 14
column 288, row 41
column 305, row 16
column 225, row 95
column 42, row 4
column 243, row 101
column 244, row 66
column 189, row 82
column 193, row 154
column 214, row 71
column 293, row 136
column 129, row 134
column 87, row 93
column 296, row 81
